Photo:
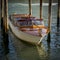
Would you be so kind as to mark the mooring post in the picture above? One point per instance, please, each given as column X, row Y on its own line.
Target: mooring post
column 39, row 30
column 58, row 14
column 49, row 20
column 6, row 40
column 40, row 9
column 2, row 13
column 2, row 19
column 30, row 8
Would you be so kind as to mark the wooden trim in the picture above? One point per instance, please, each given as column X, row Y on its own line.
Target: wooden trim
column 33, row 26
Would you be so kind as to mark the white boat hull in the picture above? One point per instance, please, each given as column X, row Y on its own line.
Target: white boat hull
column 25, row 36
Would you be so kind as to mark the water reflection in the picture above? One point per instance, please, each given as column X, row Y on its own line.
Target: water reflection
column 57, row 42
column 19, row 50
column 25, row 51
column 48, row 49
column 2, row 50
column 28, row 51
column 42, row 52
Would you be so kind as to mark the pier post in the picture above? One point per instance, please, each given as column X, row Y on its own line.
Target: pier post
column 4, row 25
column 39, row 30
column 49, row 20
column 40, row 9
column 58, row 14
column 30, row 8
column 2, row 13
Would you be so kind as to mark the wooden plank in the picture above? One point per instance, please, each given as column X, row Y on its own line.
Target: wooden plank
column 34, row 26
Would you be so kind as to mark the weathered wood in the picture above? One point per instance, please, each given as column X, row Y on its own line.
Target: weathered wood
column 6, row 39
column 40, row 9
column 30, row 8
column 2, row 13
column 34, row 26
column 6, row 15
column 58, row 14
column 2, row 8
column 49, row 15
column 49, row 20
column 4, row 35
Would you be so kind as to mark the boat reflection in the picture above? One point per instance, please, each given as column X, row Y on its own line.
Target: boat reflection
column 43, row 53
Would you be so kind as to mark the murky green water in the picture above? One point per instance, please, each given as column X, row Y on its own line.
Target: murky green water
column 23, row 51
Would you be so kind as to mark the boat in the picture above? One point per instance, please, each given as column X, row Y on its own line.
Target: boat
column 28, row 28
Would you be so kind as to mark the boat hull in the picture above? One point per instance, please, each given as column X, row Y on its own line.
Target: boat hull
column 25, row 36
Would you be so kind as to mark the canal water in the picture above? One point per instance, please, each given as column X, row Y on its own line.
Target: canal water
column 19, row 50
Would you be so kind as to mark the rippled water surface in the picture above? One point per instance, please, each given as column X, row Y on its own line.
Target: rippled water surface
column 19, row 50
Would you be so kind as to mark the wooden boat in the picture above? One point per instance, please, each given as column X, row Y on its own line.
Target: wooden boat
column 28, row 28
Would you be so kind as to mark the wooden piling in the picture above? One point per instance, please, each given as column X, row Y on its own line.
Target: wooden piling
column 2, row 13
column 2, row 19
column 40, row 16
column 40, row 9
column 58, row 14
column 6, row 40
column 6, row 25
column 49, row 20
column 6, row 14
column 30, row 8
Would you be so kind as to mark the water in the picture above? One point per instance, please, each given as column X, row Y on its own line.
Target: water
column 19, row 50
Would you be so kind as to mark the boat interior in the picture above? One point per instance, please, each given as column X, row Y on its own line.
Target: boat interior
column 29, row 24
